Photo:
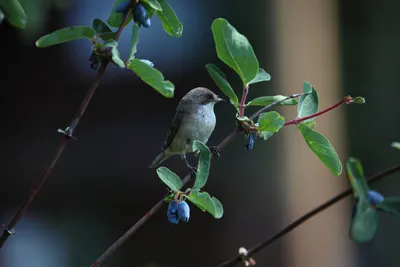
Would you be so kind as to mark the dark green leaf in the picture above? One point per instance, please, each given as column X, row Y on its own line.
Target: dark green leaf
column 204, row 164
column 356, row 178
column 390, row 205
column 169, row 178
column 108, row 36
column 169, row 20
column 365, row 222
column 134, row 41
column 66, row 35
column 152, row 77
column 396, row 145
column 321, row 147
column 206, row 203
column 308, row 105
column 270, row 121
column 153, row 3
column 115, row 19
column 262, row 76
column 266, row 100
column 234, row 50
column 14, row 13
column 220, row 80
column 358, row 100
column 100, row 27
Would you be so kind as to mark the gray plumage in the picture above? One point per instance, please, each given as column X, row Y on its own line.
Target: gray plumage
column 194, row 120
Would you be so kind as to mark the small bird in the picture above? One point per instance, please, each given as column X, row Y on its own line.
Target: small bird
column 194, row 120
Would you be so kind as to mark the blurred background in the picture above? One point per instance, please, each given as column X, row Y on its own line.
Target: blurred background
column 101, row 185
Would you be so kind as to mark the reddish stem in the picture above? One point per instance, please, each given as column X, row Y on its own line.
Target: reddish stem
column 298, row 120
column 243, row 101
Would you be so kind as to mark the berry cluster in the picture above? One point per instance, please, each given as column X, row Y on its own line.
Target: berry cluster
column 178, row 210
column 140, row 14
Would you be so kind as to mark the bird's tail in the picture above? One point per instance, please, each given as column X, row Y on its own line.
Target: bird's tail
column 160, row 158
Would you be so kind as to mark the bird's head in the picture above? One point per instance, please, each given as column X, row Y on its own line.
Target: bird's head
column 203, row 96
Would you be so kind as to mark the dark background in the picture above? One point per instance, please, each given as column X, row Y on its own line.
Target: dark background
column 101, row 185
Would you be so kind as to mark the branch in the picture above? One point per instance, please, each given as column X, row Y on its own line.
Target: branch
column 159, row 204
column 187, row 179
column 67, row 135
column 307, row 216
column 345, row 100
column 243, row 101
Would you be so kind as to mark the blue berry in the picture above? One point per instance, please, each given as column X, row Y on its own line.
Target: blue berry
column 250, row 145
column 374, row 197
column 122, row 7
column 141, row 16
column 172, row 214
column 183, row 211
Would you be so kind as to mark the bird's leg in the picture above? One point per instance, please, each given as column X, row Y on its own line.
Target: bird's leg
column 193, row 170
column 215, row 151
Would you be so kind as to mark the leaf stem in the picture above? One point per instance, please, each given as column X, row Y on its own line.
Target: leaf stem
column 298, row 120
column 67, row 135
column 242, row 105
column 307, row 216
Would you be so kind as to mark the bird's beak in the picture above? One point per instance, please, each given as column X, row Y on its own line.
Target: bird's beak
column 220, row 100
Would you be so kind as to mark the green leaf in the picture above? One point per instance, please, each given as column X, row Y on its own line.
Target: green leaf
column 169, row 20
column 270, row 121
column 234, row 50
column 266, row 100
column 66, row 35
column 206, row 203
column 152, row 77
column 169, row 178
column 365, row 222
column 356, row 178
column 307, row 88
column 390, row 205
column 321, row 147
column 262, row 76
column 219, row 209
column 107, row 36
column 220, row 80
column 115, row 19
column 100, row 27
column 266, row 134
column 14, row 13
column 115, row 56
column 204, row 164
column 153, row 3
column 358, row 100
column 134, row 41
column 308, row 105
column 396, row 145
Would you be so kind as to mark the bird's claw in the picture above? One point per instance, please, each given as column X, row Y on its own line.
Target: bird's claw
column 215, row 151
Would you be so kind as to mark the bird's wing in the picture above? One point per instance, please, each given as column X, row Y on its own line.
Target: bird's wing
column 181, row 113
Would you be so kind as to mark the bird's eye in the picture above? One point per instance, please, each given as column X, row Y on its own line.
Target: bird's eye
column 210, row 97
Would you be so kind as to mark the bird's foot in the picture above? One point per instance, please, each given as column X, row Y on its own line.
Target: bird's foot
column 215, row 151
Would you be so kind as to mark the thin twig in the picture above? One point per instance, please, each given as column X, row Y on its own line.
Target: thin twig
column 307, row 216
column 67, row 135
column 264, row 109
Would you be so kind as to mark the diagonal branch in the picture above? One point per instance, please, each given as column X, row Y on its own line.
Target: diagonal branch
column 67, row 135
column 307, row 216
